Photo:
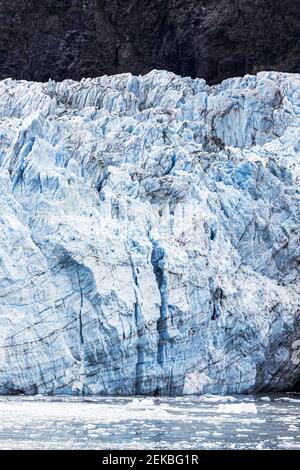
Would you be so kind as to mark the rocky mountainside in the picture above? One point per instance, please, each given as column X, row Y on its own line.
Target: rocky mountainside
column 213, row 39
column 149, row 237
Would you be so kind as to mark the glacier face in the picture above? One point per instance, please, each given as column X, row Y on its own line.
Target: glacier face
column 149, row 236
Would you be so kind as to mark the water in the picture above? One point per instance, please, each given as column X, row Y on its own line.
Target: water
column 206, row 422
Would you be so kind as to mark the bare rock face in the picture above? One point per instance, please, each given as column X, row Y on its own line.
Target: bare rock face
column 213, row 39
column 149, row 238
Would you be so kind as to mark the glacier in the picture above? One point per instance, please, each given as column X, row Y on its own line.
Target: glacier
column 149, row 237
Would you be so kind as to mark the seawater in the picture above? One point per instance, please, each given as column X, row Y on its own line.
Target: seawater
column 193, row 422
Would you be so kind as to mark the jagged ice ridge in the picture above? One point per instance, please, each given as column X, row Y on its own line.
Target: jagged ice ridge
column 149, row 237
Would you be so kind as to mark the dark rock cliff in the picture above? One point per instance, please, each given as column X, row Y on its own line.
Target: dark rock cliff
column 214, row 39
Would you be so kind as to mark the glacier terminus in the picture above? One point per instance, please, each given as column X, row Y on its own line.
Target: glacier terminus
column 149, row 235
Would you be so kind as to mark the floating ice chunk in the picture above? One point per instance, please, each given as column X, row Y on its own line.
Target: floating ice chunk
column 218, row 399
column 141, row 403
column 266, row 399
column 237, row 408
column 292, row 427
column 286, row 399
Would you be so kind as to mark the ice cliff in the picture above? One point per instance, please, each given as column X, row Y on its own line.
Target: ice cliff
column 149, row 237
